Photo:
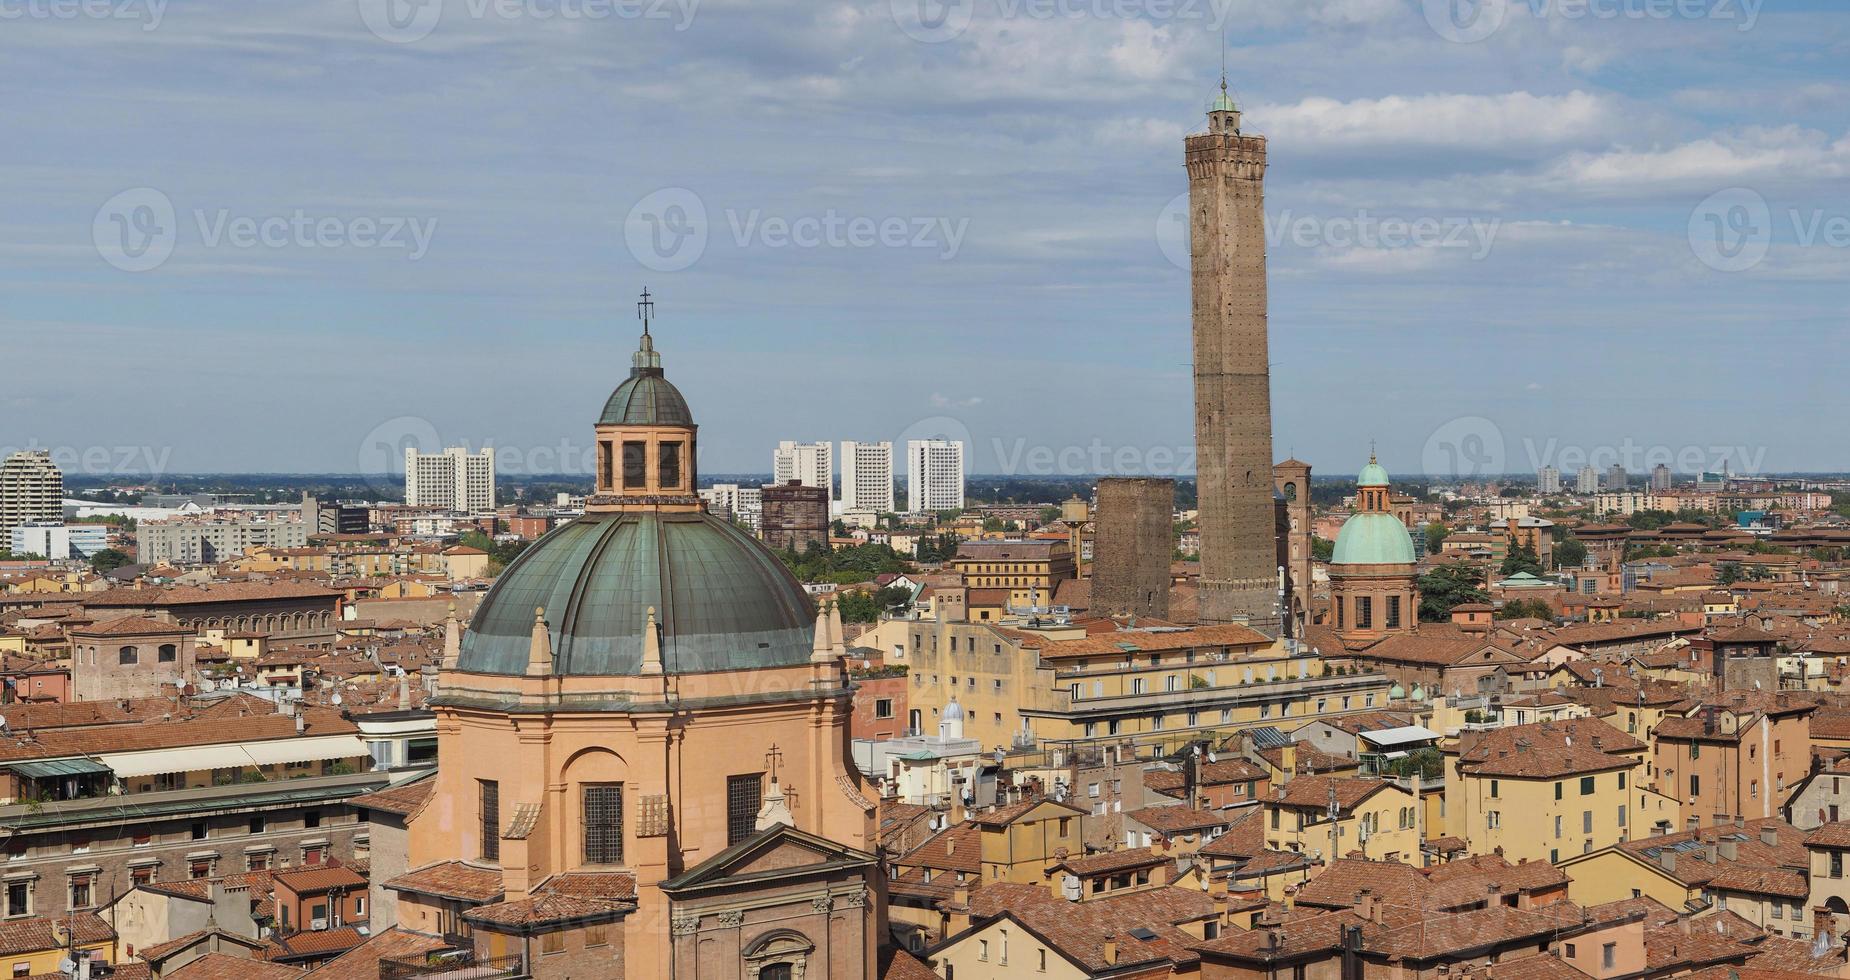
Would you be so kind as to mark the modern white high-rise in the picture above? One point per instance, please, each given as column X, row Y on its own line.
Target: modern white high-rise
column 1616, row 478
column 1587, row 480
column 1548, row 480
column 31, row 489
column 867, row 477
column 809, row 463
column 59, row 541
column 733, row 502
column 454, row 479
column 934, row 475
column 1660, row 477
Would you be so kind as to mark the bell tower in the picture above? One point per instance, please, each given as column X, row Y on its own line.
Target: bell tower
column 1233, row 385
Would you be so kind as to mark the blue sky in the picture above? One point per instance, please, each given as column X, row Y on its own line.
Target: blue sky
column 292, row 236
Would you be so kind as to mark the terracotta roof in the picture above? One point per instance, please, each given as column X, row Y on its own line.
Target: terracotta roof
column 1077, row 930
column 1313, row 792
column 1142, row 641
column 1688, row 850
column 1002, row 816
column 1544, row 967
column 897, row 964
column 317, row 879
column 172, row 734
column 130, row 626
column 404, row 799
column 362, row 961
column 1107, row 862
column 224, row 966
column 322, row 943
column 1177, row 819
column 1308, row 759
column 35, row 934
column 451, row 879
column 1833, row 834
column 1544, row 750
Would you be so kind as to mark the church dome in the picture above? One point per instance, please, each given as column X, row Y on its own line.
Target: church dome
column 646, row 399
column 1373, row 539
column 1372, row 475
column 723, row 602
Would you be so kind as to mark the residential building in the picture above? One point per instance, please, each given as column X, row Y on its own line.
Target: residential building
column 58, row 541
column 1660, row 478
column 130, row 657
column 1550, row 790
column 1616, row 478
column 810, row 463
column 934, row 475
column 1031, row 570
column 1327, row 817
column 206, row 540
column 1757, row 869
column 31, row 489
column 454, row 479
column 1736, row 755
column 736, row 503
column 867, row 477
column 1548, row 480
column 1587, row 480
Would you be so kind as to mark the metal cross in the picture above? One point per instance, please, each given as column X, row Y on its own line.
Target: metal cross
column 645, row 309
column 771, row 758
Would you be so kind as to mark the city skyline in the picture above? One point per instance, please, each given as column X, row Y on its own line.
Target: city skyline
column 1580, row 167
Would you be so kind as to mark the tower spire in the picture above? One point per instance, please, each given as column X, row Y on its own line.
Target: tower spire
column 645, row 358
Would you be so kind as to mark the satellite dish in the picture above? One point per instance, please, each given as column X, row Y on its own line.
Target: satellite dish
column 336, row 699
column 67, row 966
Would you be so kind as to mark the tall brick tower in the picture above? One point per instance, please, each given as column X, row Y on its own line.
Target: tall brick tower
column 1233, row 397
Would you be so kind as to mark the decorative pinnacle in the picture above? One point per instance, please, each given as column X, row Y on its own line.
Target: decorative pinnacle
column 645, row 356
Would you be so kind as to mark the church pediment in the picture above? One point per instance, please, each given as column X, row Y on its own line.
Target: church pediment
column 777, row 852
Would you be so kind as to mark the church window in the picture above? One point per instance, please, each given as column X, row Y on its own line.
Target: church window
column 1364, row 612
column 127, row 655
column 603, row 823
column 1393, row 612
column 668, row 467
column 635, row 465
column 744, row 797
column 489, row 794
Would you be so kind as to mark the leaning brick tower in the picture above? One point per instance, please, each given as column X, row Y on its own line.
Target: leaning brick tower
column 1233, row 397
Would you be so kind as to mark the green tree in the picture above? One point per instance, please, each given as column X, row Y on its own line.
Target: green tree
column 1521, row 559
column 992, row 523
column 1321, row 549
column 1526, row 609
column 1049, row 514
column 108, row 560
column 1570, row 553
column 1436, row 533
column 1448, row 586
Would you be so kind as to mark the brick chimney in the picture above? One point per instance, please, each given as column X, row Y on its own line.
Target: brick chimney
column 1111, row 950
column 1769, row 835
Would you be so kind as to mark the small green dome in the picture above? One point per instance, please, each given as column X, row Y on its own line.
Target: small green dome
column 1397, row 692
column 1373, row 539
column 1222, row 103
column 1372, row 475
column 646, row 399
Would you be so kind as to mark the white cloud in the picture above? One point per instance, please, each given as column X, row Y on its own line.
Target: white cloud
column 1785, row 152
column 1509, row 122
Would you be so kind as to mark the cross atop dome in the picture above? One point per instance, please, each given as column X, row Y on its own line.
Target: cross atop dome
column 645, row 357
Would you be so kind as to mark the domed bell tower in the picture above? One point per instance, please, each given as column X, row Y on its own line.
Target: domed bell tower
column 646, row 437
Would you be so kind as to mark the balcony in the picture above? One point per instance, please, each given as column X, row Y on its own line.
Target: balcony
column 459, row 964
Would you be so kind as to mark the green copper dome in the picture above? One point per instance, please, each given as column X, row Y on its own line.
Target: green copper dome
column 1373, row 539
column 646, row 399
column 1372, row 475
column 722, row 600
column 1222, row 103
